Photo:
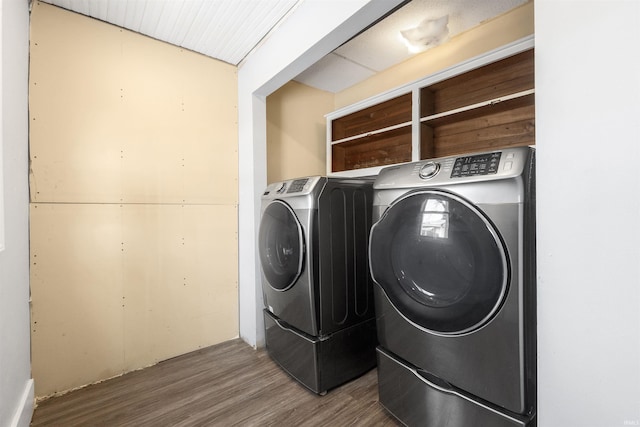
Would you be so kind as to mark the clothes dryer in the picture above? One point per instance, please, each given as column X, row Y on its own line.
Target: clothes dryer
column 318, row 295
column 452, row 255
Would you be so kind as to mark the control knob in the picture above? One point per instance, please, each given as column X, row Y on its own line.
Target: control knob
column 429, row 170
column 281, row 188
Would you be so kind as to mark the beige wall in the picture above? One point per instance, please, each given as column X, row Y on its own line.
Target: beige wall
column 133, row 149
column 296, row 129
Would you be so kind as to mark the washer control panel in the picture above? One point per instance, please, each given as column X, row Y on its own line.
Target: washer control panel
column 481, row 164
column 292, row 187
column 297, row 186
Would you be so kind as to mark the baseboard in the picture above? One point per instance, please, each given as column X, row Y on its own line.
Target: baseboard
column 22, row 417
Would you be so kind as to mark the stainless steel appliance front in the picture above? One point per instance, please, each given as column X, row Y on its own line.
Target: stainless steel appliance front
column 318, row 294
column 452, row 255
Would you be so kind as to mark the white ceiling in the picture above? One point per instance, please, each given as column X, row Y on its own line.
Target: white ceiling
column 229, row 30
column 223, row 29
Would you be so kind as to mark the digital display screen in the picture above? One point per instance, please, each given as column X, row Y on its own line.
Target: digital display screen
column 482, row 164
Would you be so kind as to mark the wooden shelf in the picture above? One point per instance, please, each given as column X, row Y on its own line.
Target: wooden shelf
column 496, row 80
column 373, row 133
column 476, row 106
column 507, row 128
column 385, row 115
column 378, row 149
column 489, row 107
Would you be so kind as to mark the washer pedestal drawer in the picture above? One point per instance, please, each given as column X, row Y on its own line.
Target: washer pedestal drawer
column 417, row 399
column 321, row 363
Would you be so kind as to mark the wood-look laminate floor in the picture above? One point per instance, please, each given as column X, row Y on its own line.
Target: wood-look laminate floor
column 229, row 384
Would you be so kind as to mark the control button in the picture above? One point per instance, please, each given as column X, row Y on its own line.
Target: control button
column 507, row 166
column 429, row 170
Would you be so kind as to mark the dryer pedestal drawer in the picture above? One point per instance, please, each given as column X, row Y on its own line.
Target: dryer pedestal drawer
column 417, row 400
column 321, row 363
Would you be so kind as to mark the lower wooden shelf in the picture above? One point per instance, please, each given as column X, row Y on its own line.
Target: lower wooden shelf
column 373, row 150
column 509, row 125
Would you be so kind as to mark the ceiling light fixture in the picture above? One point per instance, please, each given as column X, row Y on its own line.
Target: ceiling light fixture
column 429, row 33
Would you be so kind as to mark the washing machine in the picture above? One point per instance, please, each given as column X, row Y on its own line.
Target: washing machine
column 318, row 294
column 452, row 256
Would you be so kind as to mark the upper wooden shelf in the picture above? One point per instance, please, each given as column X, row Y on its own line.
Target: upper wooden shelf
column 386, row 115
column 493, row 81
column 507, row 102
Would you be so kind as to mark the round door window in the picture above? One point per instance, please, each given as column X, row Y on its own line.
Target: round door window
column 281, row 246
column 440, row 262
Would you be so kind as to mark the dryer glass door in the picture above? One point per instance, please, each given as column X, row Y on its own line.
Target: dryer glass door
column 281, row 246
column 440, row 262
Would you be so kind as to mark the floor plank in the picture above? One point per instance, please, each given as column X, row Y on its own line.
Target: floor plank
column 229, row 384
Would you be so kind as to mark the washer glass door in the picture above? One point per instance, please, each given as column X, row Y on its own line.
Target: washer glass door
column 281, row 246
column 440, row 262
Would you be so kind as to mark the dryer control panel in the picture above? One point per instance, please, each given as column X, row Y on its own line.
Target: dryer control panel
column 482, row 164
